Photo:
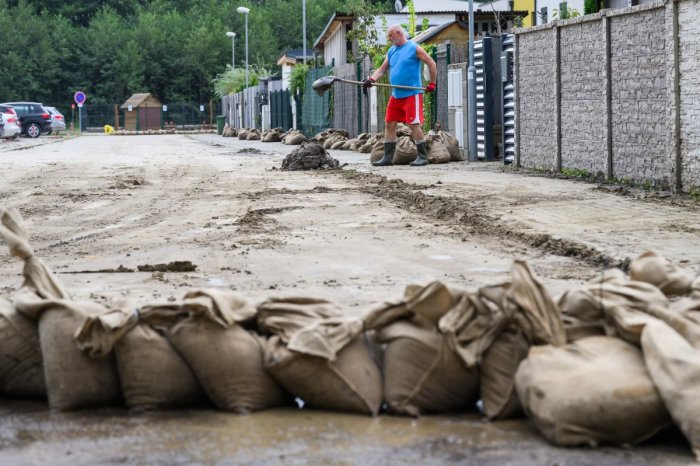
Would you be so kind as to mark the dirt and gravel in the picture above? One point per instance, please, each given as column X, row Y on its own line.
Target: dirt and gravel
column 150, row 217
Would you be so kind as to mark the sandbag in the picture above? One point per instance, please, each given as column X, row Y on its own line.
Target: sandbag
column 350, row 383
column 652, row 268
column 437, row 152
column 377, row 152
column 593, row 391
column 406, row 151
column 422, row 374
column 271, row 136
column 497, row 374
column 294, row 138
column 339, row 144
column 228, row 363
column 243, row 134
column 73, row 379
column 253, row 135
column 21, row 365
column 345, row 146
column 452, row 145
column 674, row 366
column 152, row 374
column 319, row 355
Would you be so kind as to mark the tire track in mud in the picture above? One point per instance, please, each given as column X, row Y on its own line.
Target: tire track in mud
column 458, row 212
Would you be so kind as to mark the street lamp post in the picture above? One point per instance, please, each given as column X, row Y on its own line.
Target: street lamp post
column 232, row 35
column 244, row 11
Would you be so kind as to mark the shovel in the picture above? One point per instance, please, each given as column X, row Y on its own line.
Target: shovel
column 321, row 85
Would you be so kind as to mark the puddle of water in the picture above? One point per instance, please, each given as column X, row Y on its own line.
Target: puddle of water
column 216, row 282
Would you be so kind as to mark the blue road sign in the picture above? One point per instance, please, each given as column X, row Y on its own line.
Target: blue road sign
column 79, row 97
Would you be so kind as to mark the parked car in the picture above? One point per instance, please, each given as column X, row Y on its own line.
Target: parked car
column 12, row 127
column 58, row 121
column 33, row 117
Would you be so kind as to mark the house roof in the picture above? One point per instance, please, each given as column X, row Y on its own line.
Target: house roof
column 135, row 100
column 333, row 24
column 291, row 56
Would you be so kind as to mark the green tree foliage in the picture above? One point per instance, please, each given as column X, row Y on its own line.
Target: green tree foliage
column 175, row 49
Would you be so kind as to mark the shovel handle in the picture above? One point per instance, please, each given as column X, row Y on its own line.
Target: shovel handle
column 396, row 86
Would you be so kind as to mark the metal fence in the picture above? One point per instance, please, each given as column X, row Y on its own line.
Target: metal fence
column 182, row 114
column 316, row 114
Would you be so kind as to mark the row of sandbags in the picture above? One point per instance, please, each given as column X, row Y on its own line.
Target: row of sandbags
column 442, row 146
column 612, row 361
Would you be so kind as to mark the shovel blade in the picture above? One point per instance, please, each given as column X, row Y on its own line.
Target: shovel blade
column 322, row 85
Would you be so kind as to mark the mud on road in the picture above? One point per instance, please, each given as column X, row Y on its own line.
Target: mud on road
column 110, row 214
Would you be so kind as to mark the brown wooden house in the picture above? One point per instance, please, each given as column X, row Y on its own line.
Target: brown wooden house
column 142, row 112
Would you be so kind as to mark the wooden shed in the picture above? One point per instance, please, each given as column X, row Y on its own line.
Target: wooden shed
column 142, row 112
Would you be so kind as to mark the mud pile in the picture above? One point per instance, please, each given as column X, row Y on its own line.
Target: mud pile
column 611, row 362
column 309, row 156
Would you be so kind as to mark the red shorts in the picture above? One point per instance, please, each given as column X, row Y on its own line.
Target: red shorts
column 408, row 110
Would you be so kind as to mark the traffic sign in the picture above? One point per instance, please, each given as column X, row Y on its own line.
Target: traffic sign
column 79, row 98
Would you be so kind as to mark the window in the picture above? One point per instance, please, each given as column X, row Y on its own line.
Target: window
column 563, row 11
column 543, row 15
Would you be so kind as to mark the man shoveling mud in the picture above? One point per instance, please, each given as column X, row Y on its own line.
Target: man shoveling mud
column 405, row 105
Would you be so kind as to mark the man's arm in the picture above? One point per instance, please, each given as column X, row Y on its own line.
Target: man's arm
column 428, row 60
column 381, row 71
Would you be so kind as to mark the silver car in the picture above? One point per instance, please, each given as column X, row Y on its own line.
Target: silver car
column 11, row 127
column 58, row 121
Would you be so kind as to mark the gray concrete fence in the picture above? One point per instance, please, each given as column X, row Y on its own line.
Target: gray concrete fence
column 616, row 94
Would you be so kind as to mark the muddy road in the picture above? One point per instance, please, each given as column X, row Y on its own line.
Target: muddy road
column 111, row 214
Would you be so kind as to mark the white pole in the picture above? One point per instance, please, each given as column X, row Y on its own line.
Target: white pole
column 303, row 22
column 471, row 89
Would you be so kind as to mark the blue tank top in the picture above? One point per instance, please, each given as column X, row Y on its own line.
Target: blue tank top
column 404, row 69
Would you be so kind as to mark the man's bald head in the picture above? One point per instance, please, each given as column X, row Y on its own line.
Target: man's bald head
column 396, row 34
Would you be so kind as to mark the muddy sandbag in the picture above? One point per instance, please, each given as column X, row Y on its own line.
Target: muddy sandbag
column 294, row 138
column 674, row 366
column 424, row 369
column 309, row 156
column 593, row 391
column 243, row 134
column 652, row 268
column 608, row 305
column 345, row 146
column 422, row 374
column 497, row 371
column 271, row 136
column 377, row 152
column 452, row 145
column 332, row 139
column 151, row 373
column 339, row 144
column 21, row 365
column 406, row 151
column 253, row 135
column 320, row 356
column 73, row 379
column 226, row 358
column 437, row 152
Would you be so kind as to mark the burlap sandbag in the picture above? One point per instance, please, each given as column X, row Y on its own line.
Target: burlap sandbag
column 422, row 374
column 243, row 134
column 377, row 152
column 294, row 138
column 452, row 145
column 652, row 268
column 406, row 151
column 674, row 366
column 228, row 362
column 607, row 305
column 319, row 355
column 73, row 379
column 21, row 365
column 345, row 146
column 152, row 374
column 339, row 144
column 253, row 135
column 350, row 383
column 593, row 391
column 271, row 136
column 497, row 371
column 437, row 152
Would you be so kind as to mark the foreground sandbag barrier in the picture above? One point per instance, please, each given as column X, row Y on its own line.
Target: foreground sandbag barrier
column 611, row 362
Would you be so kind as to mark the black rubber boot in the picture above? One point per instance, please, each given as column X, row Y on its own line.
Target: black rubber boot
column 389, row 149
column 422, row 158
